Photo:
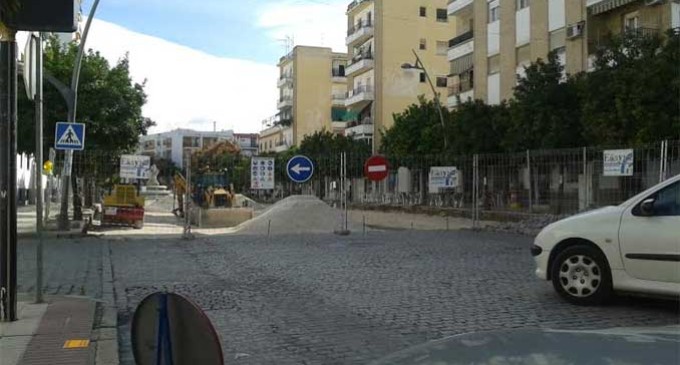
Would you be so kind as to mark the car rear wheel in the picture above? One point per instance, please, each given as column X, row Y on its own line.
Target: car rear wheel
column 581, row 275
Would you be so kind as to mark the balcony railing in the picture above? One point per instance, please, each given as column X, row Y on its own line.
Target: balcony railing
column 457, row 5
column 355, row 3
column 361, row 56
column 461, row 39
column 360, row 90
column 460, row 88
column 359, row 26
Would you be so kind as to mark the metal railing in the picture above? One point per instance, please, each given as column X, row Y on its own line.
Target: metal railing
column 361, row 24
column 359, row 90
column 461, row 39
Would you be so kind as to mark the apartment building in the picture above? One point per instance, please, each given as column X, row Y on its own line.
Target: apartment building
column 495, row 39
column 248, row 143
column 381, row 37
column 275, row 138
column 312, row 88
column 175, row 145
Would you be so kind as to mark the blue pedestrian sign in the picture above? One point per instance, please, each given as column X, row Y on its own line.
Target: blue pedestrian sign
column 300, row 169
column 69, row 136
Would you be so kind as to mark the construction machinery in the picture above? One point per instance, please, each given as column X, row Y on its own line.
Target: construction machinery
column 123, row 207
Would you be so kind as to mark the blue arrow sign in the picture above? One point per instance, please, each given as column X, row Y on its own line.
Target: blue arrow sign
column 69, row 136
column 300, row 169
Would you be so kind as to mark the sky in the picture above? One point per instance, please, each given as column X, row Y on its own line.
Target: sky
column 211, row 60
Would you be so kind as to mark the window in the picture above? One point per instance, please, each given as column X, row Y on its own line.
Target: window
column 442, row 48
column 494, row 11
column 666, row 202
column 521, row 4
column 442, row 15
column 631, row 21
column 423, row 43
column 422, row 77
column 441, row 81
column 423, row 11
column 494, row 64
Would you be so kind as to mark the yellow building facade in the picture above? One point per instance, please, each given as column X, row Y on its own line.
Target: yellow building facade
column 382, row 36
column 495, row 39
column 312, row 87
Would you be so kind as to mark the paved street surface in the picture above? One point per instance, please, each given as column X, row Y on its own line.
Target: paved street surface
column 326, row 299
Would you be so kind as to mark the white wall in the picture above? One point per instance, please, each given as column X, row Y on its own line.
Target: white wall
column 556, row 15
column 494, row 89
column 675, row 15
column 523, row 26
column 493, row 37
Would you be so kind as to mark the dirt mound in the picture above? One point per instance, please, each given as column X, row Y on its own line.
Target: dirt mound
column 295, row 214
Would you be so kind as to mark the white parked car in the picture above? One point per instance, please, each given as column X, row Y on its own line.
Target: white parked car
column 632, row 247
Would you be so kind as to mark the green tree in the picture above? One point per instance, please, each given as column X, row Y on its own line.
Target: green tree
column 545, row 110
column 323, row 143
column 417, row 130
column 632, row 95
column 476, row 127
column 109, row 102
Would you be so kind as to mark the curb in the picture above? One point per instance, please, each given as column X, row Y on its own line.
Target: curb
column 106, row 333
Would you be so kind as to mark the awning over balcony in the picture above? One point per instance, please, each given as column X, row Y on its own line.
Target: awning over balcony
column 607, row 5
column 462, row 64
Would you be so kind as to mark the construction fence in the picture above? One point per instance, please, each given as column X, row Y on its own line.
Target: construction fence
column 502, row 186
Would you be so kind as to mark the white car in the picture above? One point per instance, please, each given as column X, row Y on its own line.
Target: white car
column 632, row 247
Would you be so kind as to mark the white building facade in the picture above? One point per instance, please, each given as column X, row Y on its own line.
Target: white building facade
column 176, row 144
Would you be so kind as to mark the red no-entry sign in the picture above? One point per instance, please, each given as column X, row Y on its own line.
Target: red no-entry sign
column 376, row 168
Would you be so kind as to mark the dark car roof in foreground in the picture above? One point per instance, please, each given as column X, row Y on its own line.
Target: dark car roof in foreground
column 649, row 345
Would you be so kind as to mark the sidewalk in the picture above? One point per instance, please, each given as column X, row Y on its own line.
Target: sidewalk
column 61, row 331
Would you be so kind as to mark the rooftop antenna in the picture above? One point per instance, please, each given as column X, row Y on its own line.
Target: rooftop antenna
column 288, row 43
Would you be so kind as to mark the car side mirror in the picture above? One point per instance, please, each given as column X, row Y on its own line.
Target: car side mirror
column 647, row 207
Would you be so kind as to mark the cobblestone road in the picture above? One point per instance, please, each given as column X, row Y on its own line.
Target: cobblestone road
column 71, row 267
column 325, row 299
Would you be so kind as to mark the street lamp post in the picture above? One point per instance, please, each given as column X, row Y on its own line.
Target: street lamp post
column 419, row 66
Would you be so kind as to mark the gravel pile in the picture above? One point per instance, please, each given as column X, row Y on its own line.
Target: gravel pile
column 295, row 214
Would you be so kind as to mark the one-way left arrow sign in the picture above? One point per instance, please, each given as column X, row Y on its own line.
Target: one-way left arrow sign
column 300, row 169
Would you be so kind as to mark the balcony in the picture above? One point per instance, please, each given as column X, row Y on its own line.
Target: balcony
column 458, row 5
column 360, row 96
column 354, row 4
column 461, row 45
column 464, row 96
column 285, row 80
column 360, row 63
column 361, row 32
column 338, row 99
column 338, row 77
column 364, row 130
column 285, row 102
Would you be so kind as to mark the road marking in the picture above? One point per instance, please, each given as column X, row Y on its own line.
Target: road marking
column 76, row 344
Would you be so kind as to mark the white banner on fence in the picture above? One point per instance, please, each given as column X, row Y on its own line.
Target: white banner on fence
column 262, row 173
column 618, row 162
column 135, row 166
column 442, row 177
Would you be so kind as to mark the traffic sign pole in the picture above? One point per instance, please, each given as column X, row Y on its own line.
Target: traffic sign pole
column 40, row 194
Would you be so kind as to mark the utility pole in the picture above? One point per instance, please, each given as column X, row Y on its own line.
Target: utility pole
column 8, row 174
column 71, row 104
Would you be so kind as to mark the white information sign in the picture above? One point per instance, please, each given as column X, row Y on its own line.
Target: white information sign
column 442, row 177
column 262, row 173
column 618, row 162
column 134, row 166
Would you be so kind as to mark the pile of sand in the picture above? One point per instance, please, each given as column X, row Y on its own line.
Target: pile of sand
column 296, row 214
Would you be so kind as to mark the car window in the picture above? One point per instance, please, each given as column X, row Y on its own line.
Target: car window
column 667, row 201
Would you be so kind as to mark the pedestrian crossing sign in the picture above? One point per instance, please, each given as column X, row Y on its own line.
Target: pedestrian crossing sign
column 69, row 136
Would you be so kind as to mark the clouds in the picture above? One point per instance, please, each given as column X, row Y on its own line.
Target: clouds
column 311, row 23
column 186, row 86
